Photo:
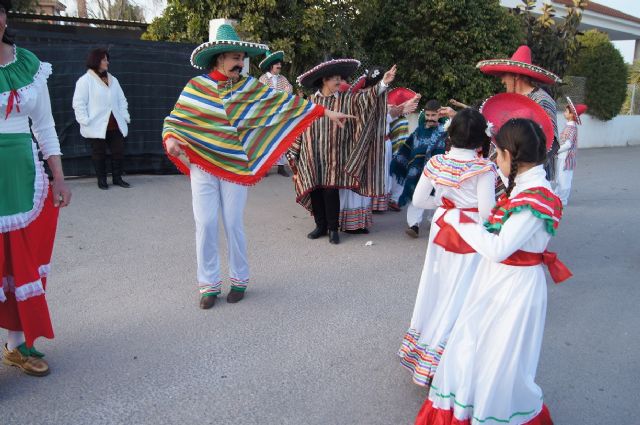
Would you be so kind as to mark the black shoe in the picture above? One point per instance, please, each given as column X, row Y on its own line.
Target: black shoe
column 207, row 301
column 117, row 181
column 317, row 233
column 102, row 183
column 334, row 237
column 235, row 296
column 358, row 232
column 413, row 231
column 282, row 171
column 116, row 170
column 101, row 173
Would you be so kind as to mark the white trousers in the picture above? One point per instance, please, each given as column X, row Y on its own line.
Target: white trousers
column 396, row 189
column 563, row 179
column 415, row 215
column 563, row 185
column 210, row 196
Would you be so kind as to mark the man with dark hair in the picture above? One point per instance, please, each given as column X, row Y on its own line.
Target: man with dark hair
column 328, row 158
column 427, row 140
column 226, row 131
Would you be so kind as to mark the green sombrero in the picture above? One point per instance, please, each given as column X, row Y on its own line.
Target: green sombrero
column 271, row 58
column 226, row 40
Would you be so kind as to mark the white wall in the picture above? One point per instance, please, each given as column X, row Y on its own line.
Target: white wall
column 623, row 130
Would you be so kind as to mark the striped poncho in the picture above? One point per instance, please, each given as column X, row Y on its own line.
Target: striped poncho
column 236, row 131
column 352, row 157
column 398, row 132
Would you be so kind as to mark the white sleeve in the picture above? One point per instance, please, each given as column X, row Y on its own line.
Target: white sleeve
column 122, row 102
column 517, row 230
column 422, row 195
column 81, row 101
column 382, row 86
column 42, row 124
column 486, row 192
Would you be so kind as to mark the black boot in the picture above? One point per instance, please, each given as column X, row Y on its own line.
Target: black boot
column 101, row 173
column 317, row 232
column 116, row 170
column 334, row 237
column 282, row 171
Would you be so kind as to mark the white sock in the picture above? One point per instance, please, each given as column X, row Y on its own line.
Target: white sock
column 15, row 339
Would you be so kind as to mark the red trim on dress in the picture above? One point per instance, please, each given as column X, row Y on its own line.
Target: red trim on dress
column 22, row 253
column 429, row 415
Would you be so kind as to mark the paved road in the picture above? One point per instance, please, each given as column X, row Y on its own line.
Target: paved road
column 314, row 341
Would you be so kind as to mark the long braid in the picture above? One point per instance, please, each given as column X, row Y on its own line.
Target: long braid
column 486, row 147
column 512, row 176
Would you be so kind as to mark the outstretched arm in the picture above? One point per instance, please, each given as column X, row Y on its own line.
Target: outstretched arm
column 517, row 230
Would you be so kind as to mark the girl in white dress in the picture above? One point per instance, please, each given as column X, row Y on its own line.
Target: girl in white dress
column 487, row 373
column 463, row 179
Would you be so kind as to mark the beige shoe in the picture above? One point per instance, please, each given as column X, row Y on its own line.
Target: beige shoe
column 30, row 365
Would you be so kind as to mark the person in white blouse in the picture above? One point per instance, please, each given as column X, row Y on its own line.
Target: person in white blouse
column 101, row 109
column 30, row 202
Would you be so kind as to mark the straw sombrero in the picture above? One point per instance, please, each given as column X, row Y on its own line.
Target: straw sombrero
column 226, row 40
column 502, row 107
column 577, row 110
column 271, row 58
column 342, row 67
column 520, row 63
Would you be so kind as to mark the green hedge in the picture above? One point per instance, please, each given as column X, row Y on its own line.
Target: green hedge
column 603, row 66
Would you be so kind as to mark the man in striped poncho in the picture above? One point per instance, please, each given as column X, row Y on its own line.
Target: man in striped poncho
column 225, row 132
column 328, row 158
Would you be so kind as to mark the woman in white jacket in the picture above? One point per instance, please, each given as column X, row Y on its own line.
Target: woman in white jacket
column 102, row 112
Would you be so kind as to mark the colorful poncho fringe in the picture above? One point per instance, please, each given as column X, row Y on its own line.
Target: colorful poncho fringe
column 236, row 131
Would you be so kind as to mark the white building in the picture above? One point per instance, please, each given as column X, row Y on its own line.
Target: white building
column 620, row 26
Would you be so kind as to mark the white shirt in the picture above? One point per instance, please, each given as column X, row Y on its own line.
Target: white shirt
column 477, row 191
column 35, row 104
column 522, row 231
column 94, row 102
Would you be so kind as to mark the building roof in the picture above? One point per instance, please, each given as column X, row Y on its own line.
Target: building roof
column 603, row 10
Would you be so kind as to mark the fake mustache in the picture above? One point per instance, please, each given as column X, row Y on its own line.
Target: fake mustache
column 236, row 69
column 432, row 122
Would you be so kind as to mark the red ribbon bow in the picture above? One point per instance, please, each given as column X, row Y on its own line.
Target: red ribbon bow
column 557, row 269
column 14, row 99
column 448, row 237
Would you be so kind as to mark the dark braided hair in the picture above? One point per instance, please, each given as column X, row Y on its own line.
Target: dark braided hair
column 525, row 141
column 468, row 131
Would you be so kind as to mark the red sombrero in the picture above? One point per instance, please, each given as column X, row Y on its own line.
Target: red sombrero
column 520, row 63
column 399, row 95
column 502, row 107
column 577, row 110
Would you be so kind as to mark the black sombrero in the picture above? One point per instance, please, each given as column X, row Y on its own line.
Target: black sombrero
column 342, row 67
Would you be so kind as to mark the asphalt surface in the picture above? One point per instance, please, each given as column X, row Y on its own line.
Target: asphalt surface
column 315, row 339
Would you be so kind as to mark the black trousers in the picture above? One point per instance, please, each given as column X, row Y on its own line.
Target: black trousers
column 114, row 140
column 325, row 204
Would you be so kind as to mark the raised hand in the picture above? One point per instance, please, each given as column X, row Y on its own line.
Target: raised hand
column 390, row 75
column 411, row 105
